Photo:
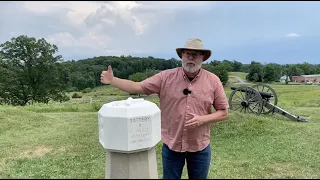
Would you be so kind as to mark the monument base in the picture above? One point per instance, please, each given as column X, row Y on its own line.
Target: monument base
column 139, row 165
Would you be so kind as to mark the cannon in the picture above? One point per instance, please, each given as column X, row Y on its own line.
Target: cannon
column 258, row 99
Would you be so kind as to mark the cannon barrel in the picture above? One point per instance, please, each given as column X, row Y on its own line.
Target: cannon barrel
column 263, row 94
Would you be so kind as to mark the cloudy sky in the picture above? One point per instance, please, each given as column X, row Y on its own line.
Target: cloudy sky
column 243, row 31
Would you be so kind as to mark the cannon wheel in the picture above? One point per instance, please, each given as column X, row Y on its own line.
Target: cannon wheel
column 273, row 100
column 249, row 101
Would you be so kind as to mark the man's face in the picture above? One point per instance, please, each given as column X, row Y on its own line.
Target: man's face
column 192, row 60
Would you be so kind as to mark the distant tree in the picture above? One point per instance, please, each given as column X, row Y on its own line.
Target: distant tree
column 317, row 69
column 245, row 68
column 236, row 66
column 137, row 77
column 220, row 69
column 270, row 74
column 277, row 70
column 31, row 72
column 294, row 70
column 140, row 76
column 255, row 72
column 123, row 67
column 306, row 68
column 228, row 65
column 286, row 71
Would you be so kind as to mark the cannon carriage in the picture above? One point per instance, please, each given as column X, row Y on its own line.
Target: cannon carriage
column 258, row 99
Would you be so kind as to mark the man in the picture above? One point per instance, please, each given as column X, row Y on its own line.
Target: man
column 186, row 97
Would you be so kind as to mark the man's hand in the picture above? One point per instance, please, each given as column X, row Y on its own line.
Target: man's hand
column 194, row 122
column 106, row 76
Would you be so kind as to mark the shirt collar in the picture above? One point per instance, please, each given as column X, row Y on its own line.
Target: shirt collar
column 185, row 76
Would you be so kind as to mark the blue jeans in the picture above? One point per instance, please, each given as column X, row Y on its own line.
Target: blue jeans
column 198, row 163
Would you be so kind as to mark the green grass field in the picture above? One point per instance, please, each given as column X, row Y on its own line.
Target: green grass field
column 242, row 75
column 232, row 80
column 61, row 140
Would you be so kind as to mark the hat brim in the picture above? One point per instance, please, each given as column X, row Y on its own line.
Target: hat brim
column 207, row 52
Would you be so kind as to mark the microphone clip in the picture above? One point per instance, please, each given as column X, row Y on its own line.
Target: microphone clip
column 186, row 91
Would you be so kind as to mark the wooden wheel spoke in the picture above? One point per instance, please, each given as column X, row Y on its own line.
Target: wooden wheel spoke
column 251, row 100
column 238, row 107
column 252, row 110
column 267, row 89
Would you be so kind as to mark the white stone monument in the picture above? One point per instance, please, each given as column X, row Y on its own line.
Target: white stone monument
column 129, row 130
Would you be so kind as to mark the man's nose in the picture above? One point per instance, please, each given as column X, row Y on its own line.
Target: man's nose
column 191, row 57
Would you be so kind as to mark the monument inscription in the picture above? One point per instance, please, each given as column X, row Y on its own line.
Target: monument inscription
column 139, row 130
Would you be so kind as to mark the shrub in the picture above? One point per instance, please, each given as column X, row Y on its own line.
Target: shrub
column 86, row 90
column 76, row 95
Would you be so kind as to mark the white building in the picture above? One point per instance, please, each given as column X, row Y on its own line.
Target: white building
column 283, row 79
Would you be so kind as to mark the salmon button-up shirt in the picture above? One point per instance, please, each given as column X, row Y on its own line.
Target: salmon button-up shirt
column 206, row 91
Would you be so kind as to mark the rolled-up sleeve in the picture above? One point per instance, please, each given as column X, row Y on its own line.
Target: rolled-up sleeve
column 152, row 85
column 220, row 101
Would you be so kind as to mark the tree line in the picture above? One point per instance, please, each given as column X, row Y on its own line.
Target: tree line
column 272, row 72
column 31, row 71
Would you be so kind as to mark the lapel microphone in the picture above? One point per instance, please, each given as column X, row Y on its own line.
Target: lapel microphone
column 186, row 92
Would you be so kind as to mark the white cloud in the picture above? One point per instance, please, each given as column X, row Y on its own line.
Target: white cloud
column 96, row 28
column 293, row 35
column 82, row 7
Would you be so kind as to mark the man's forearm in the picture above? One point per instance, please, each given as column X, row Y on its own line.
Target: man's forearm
column 127, row 85
column 219, row 115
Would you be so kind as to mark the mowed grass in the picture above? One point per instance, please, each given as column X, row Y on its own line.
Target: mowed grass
column 61, row 140
column 242, row 75
column 232, row 80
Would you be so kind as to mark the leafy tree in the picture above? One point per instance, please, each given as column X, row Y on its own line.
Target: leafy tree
column 245, row 68
column 221, row 70
column 137, row 77
column 306, row 68
column 256, row 72
column 270, row 74
column 31, row 71
column 317, row 69
column 236, row 66
column 295, row 70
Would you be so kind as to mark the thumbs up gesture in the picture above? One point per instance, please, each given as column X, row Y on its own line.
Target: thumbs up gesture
column 106, row 76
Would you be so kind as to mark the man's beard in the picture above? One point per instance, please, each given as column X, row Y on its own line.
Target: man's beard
column 191, row 68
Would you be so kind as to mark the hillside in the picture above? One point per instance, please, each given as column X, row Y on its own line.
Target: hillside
column 60, row 140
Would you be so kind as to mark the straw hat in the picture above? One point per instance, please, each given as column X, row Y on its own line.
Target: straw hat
column 195, row 44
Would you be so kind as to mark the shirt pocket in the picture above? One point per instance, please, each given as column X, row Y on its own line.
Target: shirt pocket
column 172, row 94
column 203, row 99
